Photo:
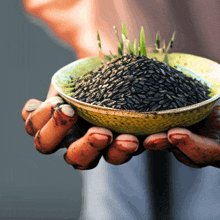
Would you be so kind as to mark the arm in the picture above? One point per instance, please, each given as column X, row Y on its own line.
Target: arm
column 75, row 22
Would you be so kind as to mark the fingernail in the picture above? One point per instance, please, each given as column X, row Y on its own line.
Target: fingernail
column 67, row 110
column 55, row 99
column 177, row 139
column 178, row 136
column 99, row 136
column 129, row 144
column 32, row 106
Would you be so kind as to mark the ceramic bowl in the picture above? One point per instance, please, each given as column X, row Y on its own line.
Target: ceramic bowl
column 145, row 123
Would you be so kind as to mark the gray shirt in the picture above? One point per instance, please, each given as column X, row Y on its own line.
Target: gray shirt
column 125, row 191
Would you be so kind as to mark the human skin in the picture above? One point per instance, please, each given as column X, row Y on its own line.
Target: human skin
column 74, row 22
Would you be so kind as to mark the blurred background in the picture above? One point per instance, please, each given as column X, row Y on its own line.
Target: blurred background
column 32, row 185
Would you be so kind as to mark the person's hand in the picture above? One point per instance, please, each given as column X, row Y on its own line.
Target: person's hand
column 53, row 123
column 198, row 146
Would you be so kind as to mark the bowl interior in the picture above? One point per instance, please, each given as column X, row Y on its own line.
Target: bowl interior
column 205, row 70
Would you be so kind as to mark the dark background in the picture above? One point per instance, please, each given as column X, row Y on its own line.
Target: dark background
column 32, row 185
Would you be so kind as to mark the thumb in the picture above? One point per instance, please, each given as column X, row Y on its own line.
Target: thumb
column 199, row 149
column 52, row 92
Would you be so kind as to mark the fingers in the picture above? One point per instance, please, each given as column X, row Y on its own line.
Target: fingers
column 53, row 132
column 86, row 152
column 39, row 117
column 125, row 146
column 196, row 149
column 157, row 141
column 50, row 124
column 122, row 149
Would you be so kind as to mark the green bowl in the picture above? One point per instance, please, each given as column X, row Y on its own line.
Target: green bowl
column 145, row 123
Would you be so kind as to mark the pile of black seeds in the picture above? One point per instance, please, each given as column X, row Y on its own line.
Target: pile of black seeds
column 138, row 83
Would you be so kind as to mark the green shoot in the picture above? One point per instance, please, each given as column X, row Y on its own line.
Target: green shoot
column 101, row 55
column 68, row 90
column 172, row 39
column 139, row 51
column 99, row 42
column 135, row 47
column 126, row 44
column 108, row 58
column 170, row 45
column 126, row 47
column 112, row 55
column 158, row 40
column 116, row 33
column 131, row 48
column 142, row 44
column 164, row 46
column 120, row 43
column 124, row 30
column 120, row 51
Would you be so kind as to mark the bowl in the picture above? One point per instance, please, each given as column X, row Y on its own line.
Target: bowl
column 145, row 123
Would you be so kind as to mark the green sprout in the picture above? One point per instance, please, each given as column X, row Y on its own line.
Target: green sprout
column 105, row 58
column 135, row 47
column 164, row 46
column 124, row 30
column 170, row 45
column 142, row 44
column 166, row 50
column 126, row 43
column 126, row 47
column 120, row 43
column 99, row 42
column 158, row 40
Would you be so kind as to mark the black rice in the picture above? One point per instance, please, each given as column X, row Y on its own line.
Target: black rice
column 133, row 82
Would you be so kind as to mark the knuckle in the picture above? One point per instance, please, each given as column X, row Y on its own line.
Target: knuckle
column 48, row 149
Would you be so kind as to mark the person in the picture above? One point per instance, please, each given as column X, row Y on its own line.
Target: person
column 125, row 192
